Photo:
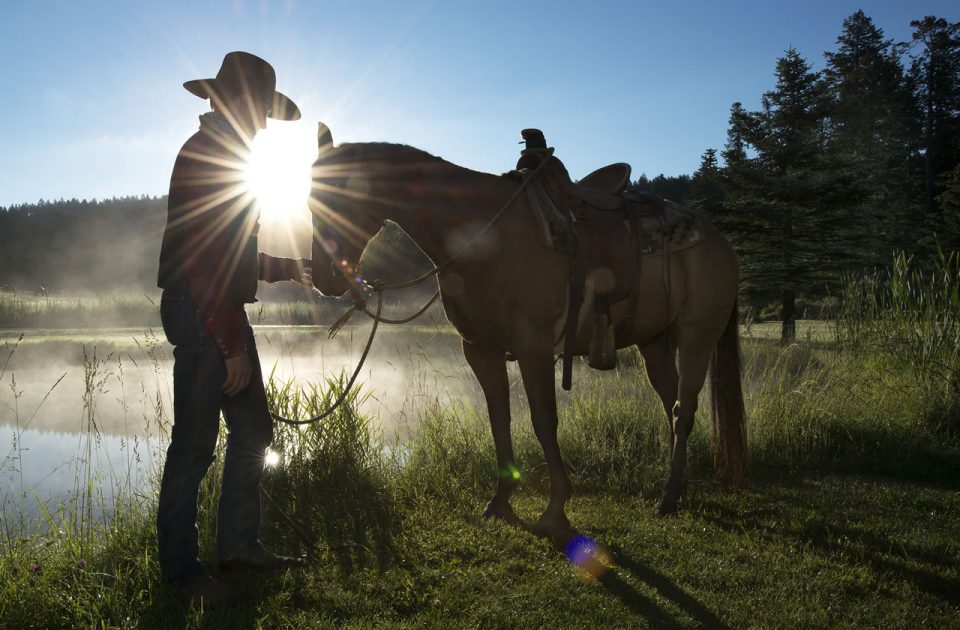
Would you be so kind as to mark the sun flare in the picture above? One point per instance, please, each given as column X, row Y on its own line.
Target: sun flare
column 271, row 458
column 278, row 173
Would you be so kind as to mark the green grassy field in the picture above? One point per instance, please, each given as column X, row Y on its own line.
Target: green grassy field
column 850, row 520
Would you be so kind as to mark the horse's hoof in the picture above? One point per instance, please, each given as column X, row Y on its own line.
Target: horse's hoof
column 555, row 529
column 667, row 508
column 501, row 512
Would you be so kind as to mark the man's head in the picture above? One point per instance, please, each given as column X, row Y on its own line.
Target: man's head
column 244, row 90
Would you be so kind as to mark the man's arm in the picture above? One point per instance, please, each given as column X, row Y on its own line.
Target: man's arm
column 274, row 269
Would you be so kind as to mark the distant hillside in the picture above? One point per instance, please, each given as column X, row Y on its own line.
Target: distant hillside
column 73, row 245
column 112, row 246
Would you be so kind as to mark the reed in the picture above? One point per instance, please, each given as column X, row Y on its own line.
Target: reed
column 908, row 317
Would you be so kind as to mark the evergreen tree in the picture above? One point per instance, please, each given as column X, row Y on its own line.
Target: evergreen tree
column 675, row 188
column 870, row 137
column 735, row 150
column 949, row 203
column 784, row 201
column 707, row 189
column 935, row 76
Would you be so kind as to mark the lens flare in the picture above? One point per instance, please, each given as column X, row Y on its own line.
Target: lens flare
column 510, row 472
column 271, row 458
column 590, row 559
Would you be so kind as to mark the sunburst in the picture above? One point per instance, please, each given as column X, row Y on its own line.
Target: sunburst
column 278, row 171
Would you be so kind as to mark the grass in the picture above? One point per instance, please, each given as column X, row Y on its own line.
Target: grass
column 55, row 313
column 28, row 310
column 850, row 521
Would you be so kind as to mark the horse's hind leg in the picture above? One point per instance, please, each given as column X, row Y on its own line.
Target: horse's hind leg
column 538, row 381
column 489, row 367
column 693, row 371
column 659, row 358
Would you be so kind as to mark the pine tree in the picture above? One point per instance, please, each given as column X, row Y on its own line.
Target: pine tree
column 935, row 76
column 735, row 150
column 784, row 200
column 870, row 136
column 707, row 189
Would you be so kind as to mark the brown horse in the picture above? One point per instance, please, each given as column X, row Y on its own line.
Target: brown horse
column 507, row 292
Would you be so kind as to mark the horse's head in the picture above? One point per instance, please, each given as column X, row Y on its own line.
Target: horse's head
column 355, row 188
column 341, row 227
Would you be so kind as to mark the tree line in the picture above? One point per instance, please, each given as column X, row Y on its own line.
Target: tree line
column 835, row 171
column 841, row 167
column 80, row 245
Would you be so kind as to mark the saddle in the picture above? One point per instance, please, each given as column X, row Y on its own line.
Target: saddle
column 606, row 231
column 603, row 188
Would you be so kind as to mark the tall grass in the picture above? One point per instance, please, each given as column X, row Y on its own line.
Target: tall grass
column 325, row 471
column 82, row 560
column 909, row 317
column 20, row 310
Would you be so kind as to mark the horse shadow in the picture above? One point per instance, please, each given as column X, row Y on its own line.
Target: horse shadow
column 666, row 588
column 646, row 607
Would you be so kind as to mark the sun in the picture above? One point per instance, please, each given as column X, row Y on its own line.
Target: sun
column 278, row 172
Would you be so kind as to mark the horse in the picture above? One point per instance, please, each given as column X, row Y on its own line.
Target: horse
column 506, row 294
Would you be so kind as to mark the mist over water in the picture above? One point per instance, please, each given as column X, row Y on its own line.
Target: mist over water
column 97, row 405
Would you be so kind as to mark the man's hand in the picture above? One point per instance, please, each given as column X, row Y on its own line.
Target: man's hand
column 239, row 371
column 306, row 279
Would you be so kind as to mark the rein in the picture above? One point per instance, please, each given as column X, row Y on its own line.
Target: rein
column 346, row 389
column 360, row 304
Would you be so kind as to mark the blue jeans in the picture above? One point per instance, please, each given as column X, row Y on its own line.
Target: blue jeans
column 198, row 375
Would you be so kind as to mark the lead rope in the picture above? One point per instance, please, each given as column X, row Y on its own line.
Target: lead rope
column 379, row 288
column 346, row 390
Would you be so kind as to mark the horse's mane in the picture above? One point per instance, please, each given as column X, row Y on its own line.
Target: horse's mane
column 356, row 153
column 376, row 151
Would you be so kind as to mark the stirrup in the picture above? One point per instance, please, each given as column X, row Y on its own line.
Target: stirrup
column 603, row 348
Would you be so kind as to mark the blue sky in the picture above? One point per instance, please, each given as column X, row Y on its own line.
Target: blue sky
column 93, row 104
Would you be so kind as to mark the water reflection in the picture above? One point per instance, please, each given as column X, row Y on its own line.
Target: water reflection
column 81, row 409
column 44, row 470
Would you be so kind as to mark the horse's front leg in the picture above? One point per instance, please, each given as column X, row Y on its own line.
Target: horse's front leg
column 489, row 366
column 538, row 381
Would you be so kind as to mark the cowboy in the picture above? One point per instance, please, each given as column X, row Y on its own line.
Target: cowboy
column 209, row 267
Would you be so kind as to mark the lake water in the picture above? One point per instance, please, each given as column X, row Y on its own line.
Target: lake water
column 88, row 411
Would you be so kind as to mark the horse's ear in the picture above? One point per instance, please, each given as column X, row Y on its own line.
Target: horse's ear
column 324, row 138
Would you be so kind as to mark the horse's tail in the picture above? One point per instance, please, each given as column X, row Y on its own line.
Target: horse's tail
column 726, row 397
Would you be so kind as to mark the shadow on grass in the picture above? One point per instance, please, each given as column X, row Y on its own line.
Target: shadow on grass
column 907, row 457
column 807, row 516
column 167, row 610
column 353, row 520
column 663, row 586
column 640, row 604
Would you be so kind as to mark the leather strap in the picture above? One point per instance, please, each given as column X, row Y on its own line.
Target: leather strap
column 578, row 272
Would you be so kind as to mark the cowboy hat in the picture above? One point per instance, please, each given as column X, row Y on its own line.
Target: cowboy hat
column 242, row 73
